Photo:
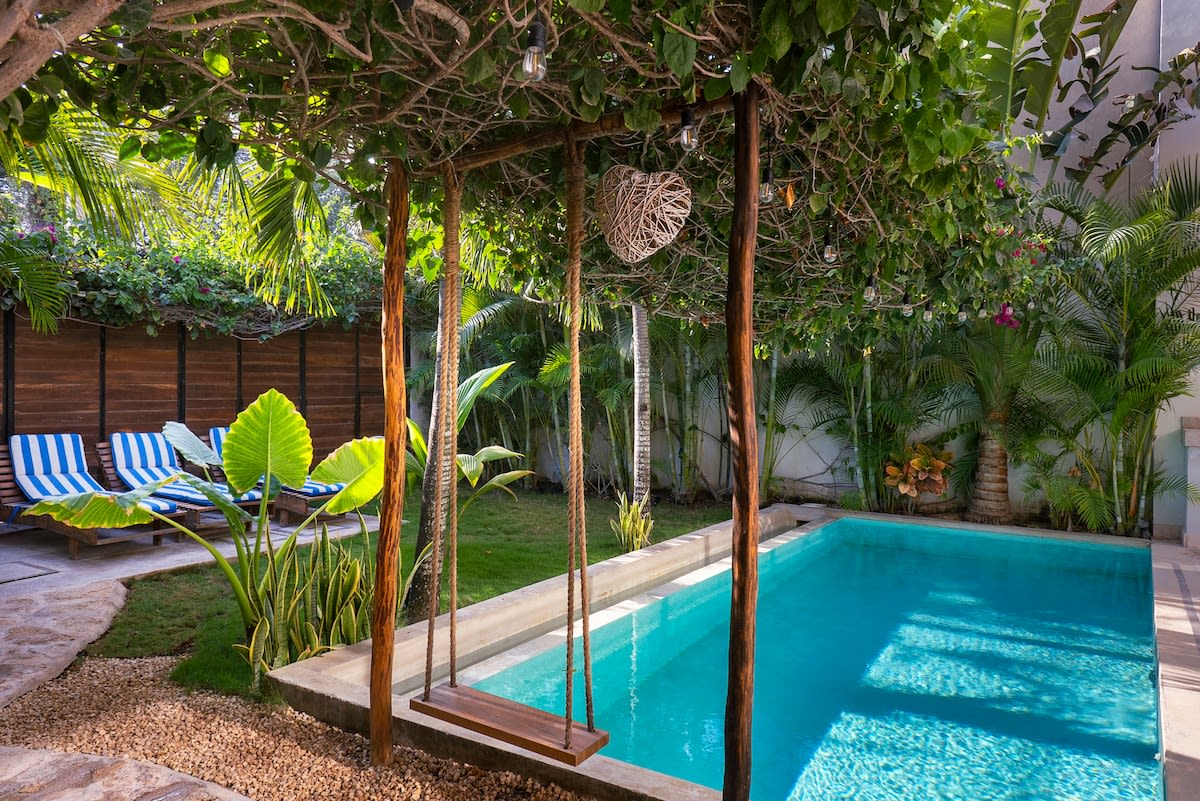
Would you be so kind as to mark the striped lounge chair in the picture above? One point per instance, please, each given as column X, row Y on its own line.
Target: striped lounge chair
column 291, row 500
column 36, row 467
column 141, row 458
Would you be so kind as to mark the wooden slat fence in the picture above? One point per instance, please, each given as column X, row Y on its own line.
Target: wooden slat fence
column 94, row 380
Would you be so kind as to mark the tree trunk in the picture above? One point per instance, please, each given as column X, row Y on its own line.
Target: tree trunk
column 387, row 557
column 989, row 502
column 641, row 402
column 739, row 319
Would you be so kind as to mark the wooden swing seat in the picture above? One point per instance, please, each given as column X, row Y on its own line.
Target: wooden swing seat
column 508, row 721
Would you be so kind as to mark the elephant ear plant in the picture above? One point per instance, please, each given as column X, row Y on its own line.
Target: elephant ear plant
column 293, row 607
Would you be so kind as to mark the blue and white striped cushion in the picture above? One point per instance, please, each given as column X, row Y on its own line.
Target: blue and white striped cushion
column 141, row 459
column 180, row 491
column 216, row 439
column 316, row 489
column 49, row 466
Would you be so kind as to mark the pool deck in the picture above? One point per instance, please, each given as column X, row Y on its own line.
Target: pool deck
column 1177, row 631
column 496, row 633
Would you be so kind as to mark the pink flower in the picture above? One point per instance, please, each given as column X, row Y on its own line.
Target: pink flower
column 1000, row 183
column 20, row 234
column 175, row 259
column 204, row 290
column 1006, row 317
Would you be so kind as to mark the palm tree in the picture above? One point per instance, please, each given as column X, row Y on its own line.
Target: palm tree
column 983, row 367
column 1130, row 348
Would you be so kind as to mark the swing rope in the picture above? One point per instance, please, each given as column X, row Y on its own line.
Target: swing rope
column 446, row 434
column 576, row 523
column 445, row 502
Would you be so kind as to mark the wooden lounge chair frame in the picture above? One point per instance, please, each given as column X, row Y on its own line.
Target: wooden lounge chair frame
column 13, row 504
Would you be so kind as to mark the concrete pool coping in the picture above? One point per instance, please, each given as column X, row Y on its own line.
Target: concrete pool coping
column 502, row 630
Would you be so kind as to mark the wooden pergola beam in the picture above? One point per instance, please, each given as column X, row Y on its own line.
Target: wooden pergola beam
column 395, row 402
column 608, row 125
column 743, row 437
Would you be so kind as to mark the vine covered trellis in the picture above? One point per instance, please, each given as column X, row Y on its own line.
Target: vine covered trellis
column 876, row 134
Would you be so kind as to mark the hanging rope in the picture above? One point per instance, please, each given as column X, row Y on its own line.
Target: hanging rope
column 445, row 501
column 452, row 205
column 576, row 524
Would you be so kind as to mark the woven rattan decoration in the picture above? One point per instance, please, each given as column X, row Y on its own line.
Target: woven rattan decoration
column 641, row 214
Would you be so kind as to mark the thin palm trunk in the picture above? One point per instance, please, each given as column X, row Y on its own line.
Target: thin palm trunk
column 641, row 402
column 769, row 439
column 554, row 416
column 419, row 595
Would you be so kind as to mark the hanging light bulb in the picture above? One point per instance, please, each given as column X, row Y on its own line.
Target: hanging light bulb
column 533, row 67
column 907, row 308
column 927, row 315
column 871, row 293
column 829, row 254
column 1031, row 305
column 766, row 190
column 962, row 312
column 983, row 312
column 689, row 138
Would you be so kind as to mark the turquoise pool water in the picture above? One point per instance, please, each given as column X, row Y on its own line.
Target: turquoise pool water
column 895, row 663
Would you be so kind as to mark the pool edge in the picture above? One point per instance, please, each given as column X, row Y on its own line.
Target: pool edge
column 1176, row 572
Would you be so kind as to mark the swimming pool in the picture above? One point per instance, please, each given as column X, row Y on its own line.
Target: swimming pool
column 895, row 662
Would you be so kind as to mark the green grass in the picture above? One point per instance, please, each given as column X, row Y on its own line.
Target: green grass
column 504, row 544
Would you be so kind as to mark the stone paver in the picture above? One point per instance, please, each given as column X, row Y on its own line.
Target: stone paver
column 53, row 776
column 41, row 633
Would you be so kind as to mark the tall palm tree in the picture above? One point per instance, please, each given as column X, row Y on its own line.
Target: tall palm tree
column 1131, row 346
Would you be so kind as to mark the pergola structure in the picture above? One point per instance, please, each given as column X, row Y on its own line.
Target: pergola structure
column 421, row 103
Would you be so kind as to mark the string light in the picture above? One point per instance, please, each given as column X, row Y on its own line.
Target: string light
column 1031, row 305
column 983, row 312
column 533, row 67
column 907, row 308
column 689, row 138
column 927, row 315
column 766, row 189
column 962, row 312
column 829, row 254
column 871, row 293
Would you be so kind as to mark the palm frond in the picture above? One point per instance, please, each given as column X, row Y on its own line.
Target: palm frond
column 37, row 280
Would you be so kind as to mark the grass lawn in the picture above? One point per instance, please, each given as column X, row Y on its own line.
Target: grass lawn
column 503, row 544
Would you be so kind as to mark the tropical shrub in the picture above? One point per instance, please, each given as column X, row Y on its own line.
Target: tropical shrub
column 1125, row 349
column 292, row 608
column 919, row 469
column 633, row 524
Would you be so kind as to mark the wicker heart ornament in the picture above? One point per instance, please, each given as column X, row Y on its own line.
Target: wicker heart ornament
column 641, row 213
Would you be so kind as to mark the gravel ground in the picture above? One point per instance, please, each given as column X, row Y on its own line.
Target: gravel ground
column 129, row 708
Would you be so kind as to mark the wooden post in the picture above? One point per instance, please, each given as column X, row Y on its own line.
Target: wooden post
column 743, row 434
column 383, row 612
